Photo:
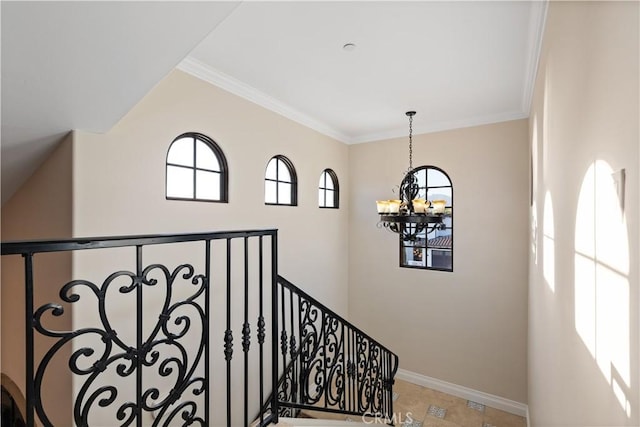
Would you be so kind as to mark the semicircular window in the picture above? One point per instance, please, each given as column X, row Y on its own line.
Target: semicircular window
column 433, row 247
column 328, row 190
column 196, row 169
column 280, row 182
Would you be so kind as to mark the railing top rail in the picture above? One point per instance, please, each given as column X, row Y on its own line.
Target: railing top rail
column 284, row 282
column 37, row 246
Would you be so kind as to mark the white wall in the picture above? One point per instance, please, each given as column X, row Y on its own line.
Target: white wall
column 583, row 295
column 466, row 327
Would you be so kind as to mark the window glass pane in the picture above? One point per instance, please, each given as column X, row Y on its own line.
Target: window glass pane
column 271, row 170
column 323, row 176
column 422, row 177
column 283, row 172
column 445, row 232
column 439, row 258
column 270, row 192
column 181, row 152
column 284, row 193
column 321, row 198
column 179, row 182
column 440, row 194
column 207, row 185
column 330, row 199
column 329, row 181
column 440, row 239
column 448, row 221
column 205, row 157
column 437, row 178
column 414, row 256
column 421, row 240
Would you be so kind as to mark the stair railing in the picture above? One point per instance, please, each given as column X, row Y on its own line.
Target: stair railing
column 144, row 328
column 332, row 366
column 149, row 327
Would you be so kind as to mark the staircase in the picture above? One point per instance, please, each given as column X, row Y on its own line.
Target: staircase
column 188, row 329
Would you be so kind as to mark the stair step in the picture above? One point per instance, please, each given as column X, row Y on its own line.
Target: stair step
column 303, row 422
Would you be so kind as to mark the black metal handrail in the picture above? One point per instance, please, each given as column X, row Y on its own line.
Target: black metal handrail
column 333, row 366
column 176, row 349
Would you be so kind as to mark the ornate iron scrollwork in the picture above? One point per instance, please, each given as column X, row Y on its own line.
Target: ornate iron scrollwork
column 338, row 367
column 164, row 349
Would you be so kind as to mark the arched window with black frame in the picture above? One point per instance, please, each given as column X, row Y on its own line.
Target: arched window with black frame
column 280, row 182
column 328, row 190
column 433, row 248
column 196, row 170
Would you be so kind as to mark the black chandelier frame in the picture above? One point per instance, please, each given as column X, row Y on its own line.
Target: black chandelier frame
column 408, row 223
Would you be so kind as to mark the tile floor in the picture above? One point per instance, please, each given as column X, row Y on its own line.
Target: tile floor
column 417, row 406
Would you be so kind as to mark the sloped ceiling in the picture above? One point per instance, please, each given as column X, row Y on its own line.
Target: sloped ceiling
column 83, row 65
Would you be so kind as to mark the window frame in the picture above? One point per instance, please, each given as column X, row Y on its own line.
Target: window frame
column 222, row 161
column 336, row 189
column 450, row 218
column 293, row 176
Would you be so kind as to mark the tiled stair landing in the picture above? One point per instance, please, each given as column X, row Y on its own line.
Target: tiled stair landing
column 417, row 406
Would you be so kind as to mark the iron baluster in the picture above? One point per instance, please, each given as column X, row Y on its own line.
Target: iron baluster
column 292, row 353
column 246, row 331
column 261, row 326
column 138, row 356
column 29, row 342
column 206, row 326
column 274, row 329
column 228, row 335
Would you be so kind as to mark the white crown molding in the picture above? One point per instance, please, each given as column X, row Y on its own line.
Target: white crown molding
column 204, row 72
column 487, row 399
column 536, row 30
column 441, row 126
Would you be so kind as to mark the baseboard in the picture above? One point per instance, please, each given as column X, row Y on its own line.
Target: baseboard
column 491, row 400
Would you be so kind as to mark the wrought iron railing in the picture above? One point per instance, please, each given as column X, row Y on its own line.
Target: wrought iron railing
column 151, row 328
column 332, row 366
column 150, row 364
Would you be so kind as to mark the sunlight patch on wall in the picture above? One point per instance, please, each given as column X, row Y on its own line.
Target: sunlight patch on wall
column 548, row 243
column 534, row 190
column 534, row 232
column 602, row 279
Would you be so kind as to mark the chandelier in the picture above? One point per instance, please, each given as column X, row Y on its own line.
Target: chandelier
column 409, row 215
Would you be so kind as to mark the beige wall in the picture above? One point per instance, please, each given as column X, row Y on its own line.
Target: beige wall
column 119, row 183
column 119, row 180
column 40, row 209
column 466, row 327
column 584, row 310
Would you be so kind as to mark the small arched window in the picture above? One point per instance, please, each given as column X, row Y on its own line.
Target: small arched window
column 433, row 248
column 328, row 190
column 280, row 182
column 196, row 169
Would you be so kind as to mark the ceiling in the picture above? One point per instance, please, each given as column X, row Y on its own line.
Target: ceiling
column 83, row 65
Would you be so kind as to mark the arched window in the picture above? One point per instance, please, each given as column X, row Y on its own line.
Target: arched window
column 328, row 190
column 280, row 182
column 433, row 248
column 196, row 169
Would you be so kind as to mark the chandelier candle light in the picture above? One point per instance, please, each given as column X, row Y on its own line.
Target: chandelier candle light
column 411, row 216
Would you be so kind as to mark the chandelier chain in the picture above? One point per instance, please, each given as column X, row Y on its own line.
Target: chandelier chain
column 411, row 142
